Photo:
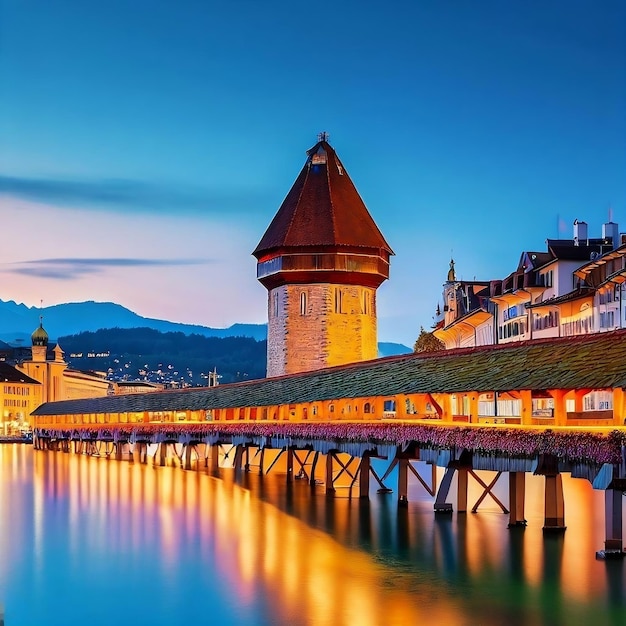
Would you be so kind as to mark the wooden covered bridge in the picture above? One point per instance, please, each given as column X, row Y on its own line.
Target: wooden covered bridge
column 545, row 407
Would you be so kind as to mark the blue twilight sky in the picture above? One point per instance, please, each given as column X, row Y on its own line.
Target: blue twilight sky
column 145, row 145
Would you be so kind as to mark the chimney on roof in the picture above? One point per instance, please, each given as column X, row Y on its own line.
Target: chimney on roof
column 610, row 230
column 580, row 232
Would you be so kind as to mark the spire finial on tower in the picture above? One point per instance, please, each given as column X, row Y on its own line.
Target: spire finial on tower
column 451, row 272
column 323, row 136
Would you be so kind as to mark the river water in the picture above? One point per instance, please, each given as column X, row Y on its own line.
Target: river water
column 96, row 541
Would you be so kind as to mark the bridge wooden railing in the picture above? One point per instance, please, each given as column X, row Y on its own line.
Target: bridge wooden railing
column 572, row 446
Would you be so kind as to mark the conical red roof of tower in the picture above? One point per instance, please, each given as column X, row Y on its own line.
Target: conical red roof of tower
column 322, row 209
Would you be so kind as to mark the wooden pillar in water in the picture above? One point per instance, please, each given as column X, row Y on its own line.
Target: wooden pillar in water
column 289, row 465
column 313, row 467
column 614, row 542
column 238, row 457
column 261, row 458
column 330, row 486
column 403, row 481
column 215, row 457
column 441, row 506
column 461, row 491
column 364, row 477
column 163, row 454
column 517, row 495
column 188, row 449
column 554, row 518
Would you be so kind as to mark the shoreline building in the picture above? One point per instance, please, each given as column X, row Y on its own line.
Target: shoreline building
column 321, row 259
column 46, row 377
column 57, row 380
column 20, row 395
column 574, row 288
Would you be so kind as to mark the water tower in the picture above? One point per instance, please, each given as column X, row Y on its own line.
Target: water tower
column 321, row 259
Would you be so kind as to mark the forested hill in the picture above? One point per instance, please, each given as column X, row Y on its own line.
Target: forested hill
column 147, row 354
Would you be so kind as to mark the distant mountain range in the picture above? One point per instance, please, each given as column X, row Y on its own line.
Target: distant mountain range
column 18, row 321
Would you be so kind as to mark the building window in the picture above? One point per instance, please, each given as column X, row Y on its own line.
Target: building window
column 546, row 279
column 367, row 408
column 607, row 319
column 303, row 303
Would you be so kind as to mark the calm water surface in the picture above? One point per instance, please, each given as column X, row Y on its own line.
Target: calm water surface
column 96, row 541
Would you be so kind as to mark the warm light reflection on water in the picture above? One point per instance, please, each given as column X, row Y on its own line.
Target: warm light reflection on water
column 97, row 541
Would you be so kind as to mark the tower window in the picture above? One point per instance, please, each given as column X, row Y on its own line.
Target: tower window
column 338, row 301
column 303, row 303
column 275, row 304
column 365, row 304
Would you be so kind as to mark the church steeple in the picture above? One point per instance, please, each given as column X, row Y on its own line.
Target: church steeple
column 451, row 272
column 39, row 340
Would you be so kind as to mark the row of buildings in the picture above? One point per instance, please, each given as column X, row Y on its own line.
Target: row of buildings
column 575, row 287
column 44, row 376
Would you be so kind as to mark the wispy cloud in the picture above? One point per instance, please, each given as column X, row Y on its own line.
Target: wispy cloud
column 121, row 194
column 71, row 268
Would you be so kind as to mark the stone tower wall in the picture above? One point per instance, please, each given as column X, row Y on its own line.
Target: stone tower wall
column 319, row 325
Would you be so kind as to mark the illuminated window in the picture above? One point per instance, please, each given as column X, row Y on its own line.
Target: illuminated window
column 390, row 405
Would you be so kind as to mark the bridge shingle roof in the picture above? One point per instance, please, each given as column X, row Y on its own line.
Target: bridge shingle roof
column 587, row 362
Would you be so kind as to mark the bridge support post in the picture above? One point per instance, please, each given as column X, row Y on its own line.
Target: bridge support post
column 614, row 542
column 215, row 457
column 289, row 465
column 461, row 492
column 330, row 485
column 316, row 457
column 364, row 476
column 261, row 458
column 238, row 457
column 162, row 454
column 554, row 518
column 403, row 481
column 441, row 506
column 246, row 465
column 188, row 449
column 517, row 494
